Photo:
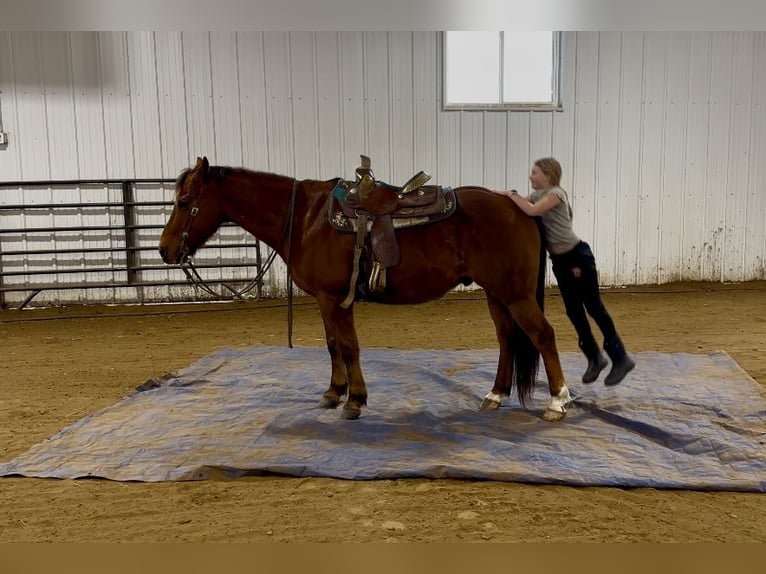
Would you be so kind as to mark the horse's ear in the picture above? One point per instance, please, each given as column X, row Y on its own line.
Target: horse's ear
column 203, row 166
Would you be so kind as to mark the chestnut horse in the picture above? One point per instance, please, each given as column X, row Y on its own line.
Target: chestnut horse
column 487, row 240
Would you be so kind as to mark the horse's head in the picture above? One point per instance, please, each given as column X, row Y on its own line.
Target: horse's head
column 196, row 214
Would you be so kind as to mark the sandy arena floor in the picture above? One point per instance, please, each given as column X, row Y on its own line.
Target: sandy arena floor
column 62, row 364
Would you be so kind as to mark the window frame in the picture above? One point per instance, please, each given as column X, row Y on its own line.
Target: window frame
column 554, row 105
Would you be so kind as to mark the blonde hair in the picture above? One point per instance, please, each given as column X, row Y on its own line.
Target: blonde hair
column 551, row 167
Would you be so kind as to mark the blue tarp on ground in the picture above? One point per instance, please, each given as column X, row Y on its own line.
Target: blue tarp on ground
column 678, row 421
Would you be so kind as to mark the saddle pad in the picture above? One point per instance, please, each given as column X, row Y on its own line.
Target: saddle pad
column 677, row 421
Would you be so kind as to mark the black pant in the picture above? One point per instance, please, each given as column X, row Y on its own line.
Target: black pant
column 577, row 277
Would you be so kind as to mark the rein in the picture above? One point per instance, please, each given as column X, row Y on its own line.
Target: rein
column 196, row 281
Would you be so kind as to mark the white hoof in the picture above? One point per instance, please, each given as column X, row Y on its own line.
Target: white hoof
column 557, row 407
column 553, row 416
column 491, row 402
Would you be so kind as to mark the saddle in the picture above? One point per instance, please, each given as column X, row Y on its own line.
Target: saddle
column 374, row 210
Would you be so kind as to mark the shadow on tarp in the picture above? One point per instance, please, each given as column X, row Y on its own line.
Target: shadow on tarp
column 678, row 421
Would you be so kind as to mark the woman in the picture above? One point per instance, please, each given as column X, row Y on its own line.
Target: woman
column 575, row 269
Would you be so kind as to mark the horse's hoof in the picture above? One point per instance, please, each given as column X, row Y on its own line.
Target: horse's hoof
column 350, row 413
column 553, row 416
column 489, row 405
column 327, row 403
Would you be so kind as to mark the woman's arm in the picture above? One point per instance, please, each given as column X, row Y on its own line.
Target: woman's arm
column 533, row 209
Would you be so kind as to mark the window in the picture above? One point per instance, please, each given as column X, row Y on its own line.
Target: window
column 501, row 70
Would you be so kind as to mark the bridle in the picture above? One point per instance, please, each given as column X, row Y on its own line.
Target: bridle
column 194, row 278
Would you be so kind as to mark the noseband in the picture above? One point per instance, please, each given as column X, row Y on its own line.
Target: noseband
column 184, row 249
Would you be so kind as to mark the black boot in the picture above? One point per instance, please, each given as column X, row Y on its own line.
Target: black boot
column 596, row 361
column 622, row 363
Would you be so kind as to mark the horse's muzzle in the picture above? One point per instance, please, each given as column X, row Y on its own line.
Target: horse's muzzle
column 165, row 255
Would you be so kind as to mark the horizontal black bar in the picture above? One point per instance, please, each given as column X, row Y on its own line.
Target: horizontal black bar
column 76, row 182
column 89, row 228
column 107, row 285
column 87, row 205
column 115, row 249
column 121, row 269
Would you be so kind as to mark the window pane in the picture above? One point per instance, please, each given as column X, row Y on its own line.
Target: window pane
column 472, row 68
column 527, row 66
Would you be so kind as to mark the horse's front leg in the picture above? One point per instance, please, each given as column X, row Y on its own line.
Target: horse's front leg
column 343, row 346
column 504, row 377
column 338, row 379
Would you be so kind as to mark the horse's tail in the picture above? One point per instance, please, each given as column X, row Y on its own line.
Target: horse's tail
column 526, row 356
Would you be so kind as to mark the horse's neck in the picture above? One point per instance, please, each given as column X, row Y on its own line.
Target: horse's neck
column 260, row 204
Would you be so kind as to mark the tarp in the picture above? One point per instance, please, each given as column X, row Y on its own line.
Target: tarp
column 677, row 421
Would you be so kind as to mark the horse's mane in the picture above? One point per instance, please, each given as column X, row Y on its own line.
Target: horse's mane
column 219, row 172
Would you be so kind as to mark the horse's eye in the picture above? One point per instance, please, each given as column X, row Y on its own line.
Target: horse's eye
column 183, row 203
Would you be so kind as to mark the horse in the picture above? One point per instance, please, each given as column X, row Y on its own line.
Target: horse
column 487, row 240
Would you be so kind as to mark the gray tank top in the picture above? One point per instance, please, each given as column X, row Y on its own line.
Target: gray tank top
column 559, row 235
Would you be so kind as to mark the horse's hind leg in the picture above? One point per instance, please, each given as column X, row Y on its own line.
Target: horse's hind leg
column 528, row 315
column 504, row 377
column 343, row 345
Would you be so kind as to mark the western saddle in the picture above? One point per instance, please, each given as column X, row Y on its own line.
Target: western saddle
column 374, row 210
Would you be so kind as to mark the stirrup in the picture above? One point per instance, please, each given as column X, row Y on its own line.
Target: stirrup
column 377, row 282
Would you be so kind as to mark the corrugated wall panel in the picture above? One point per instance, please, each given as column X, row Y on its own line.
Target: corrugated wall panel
column 582, row 193
column 59, row 109
column 755, row 246
column 279, row 116
column 652, row 155
column 472, row 148
column 32, row 137
column 402, row 126
column 518, row 163
column 175, row 153
column 116, row 98
column 447, row 143
column 696, row 144
column 607, row 204
column 661, row 135
column 717, row 176
column 252, row 94
column 671, row 199
column 353, row 109
column 377, row 92
column 629, row 156
column 227, row 116
column 540, row 134
column 198, row 80
column 33, row 140
column 226, row 98
column 304, row 105
column 495, row 150
column 427, row 101
column 59, row 112
column 91, row 151
column 173, row 123
column 563, row 126
column 9, row 155
column 329, row 104
column 144, row 104
column 739, row 150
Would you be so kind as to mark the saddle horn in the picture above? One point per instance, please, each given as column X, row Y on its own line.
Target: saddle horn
column 365, row 178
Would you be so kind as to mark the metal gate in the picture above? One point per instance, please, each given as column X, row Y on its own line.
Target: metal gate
column 95, row 241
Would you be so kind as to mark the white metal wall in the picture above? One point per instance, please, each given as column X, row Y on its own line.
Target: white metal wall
column 662, row 137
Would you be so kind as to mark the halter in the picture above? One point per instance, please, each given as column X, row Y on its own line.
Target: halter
column 196, row 280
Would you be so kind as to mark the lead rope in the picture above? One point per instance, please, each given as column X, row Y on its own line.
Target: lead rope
column 289, row 257
column 197, row 282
